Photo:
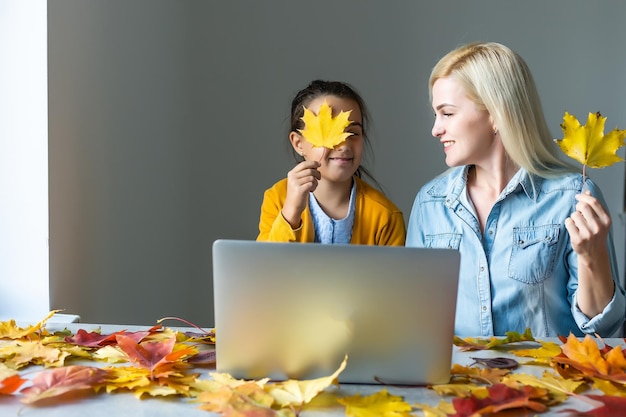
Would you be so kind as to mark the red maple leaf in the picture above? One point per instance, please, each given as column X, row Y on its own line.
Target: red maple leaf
column 156, row 356
column 501, row 397
column 95, row 339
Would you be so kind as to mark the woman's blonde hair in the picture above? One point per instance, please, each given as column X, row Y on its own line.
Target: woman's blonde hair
column 498, row 80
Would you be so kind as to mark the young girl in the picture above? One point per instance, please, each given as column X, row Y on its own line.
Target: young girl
column 323, row 199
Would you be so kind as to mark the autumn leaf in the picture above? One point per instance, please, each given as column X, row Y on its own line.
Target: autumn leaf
column 502, row 397
column 584, row 355
column 297, row 393
column 10, row 384
column 324, row 130
column 378, row 404
column 61, row 381
column 96, row 339
column 22, row 353
column 484, row 375
column 470, row 343
column 609, row 387
column 443, row 409
column 542, row 355
column 588, row 144
column 10, row 330
column 560, row 388
column 613, row 407
column 158, row 357
column 243, row 399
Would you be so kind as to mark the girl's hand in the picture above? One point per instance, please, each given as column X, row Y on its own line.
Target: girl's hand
column 588, row 227
column 301, row 180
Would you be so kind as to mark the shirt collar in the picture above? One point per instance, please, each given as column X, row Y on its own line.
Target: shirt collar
column 451, row 186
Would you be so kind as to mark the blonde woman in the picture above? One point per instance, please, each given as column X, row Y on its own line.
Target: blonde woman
column 536, row 247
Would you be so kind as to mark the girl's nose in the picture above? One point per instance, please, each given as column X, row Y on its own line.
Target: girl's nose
column 341, row 146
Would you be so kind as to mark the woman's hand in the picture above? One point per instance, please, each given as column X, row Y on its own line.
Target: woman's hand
column 588, row 226
column 301, row 180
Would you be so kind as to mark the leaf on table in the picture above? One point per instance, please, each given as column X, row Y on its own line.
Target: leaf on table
column 502, row 397
column 499, row 362
column 10, row 384
column 378, row 404
column 612, row 407
column 588, row 359
column 10, row 330
column 206, row 357
column 54, row 384
column 97, row 339
column 484, row 375
column 472, row 343
column 127, row 377
column 588, row 144
column 560, row 388
column 110, row 354
column 543, row 355
column 158, row 357
column 246, row 398
column 18, row 354
column 609, row 387
column 461, row 390
column 297, row 393
column 324, row 130
column 443, row 409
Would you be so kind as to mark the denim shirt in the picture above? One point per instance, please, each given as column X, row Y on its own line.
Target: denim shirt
column 523, row 272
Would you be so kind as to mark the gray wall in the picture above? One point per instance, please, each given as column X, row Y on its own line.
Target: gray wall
column 167, row 120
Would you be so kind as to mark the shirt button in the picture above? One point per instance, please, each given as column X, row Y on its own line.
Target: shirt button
column 484, row 308
column 482, row 268
column 490, row 232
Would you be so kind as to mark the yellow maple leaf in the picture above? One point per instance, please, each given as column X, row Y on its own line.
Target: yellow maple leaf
column 443, row 409
column 543, row 355
column 380, row 403
column 297, row 393
column 588, row 144
column 10, row 330
column 323, row 129
column 559, row 388
column 18, row 354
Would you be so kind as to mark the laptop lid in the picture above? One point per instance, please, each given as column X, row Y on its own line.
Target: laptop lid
column 293, row 311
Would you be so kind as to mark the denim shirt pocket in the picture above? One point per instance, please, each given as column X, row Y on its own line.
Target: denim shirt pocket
column 534, row 253
column 443, row 241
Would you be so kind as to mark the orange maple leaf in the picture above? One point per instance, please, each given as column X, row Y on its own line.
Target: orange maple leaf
column 589, row 359
column 63, row 381
column 10, row 384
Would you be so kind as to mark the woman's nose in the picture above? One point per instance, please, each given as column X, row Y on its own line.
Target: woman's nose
column 437, row 129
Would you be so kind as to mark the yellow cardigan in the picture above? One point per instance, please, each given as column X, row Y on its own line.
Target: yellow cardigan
column 377, row 220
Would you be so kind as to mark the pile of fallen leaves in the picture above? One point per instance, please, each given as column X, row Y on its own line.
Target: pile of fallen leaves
column 161, row 361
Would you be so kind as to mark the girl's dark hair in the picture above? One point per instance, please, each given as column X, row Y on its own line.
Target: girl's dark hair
column 318, row 88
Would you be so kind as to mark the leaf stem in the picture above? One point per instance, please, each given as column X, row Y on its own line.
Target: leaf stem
column 184, row 321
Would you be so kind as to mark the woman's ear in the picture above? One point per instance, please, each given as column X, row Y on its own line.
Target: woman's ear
column 296, row 142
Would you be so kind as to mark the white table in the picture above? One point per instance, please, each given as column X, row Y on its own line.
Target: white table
column 125, row 404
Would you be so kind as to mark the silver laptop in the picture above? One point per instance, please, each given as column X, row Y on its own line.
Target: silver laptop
column 294, row 311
